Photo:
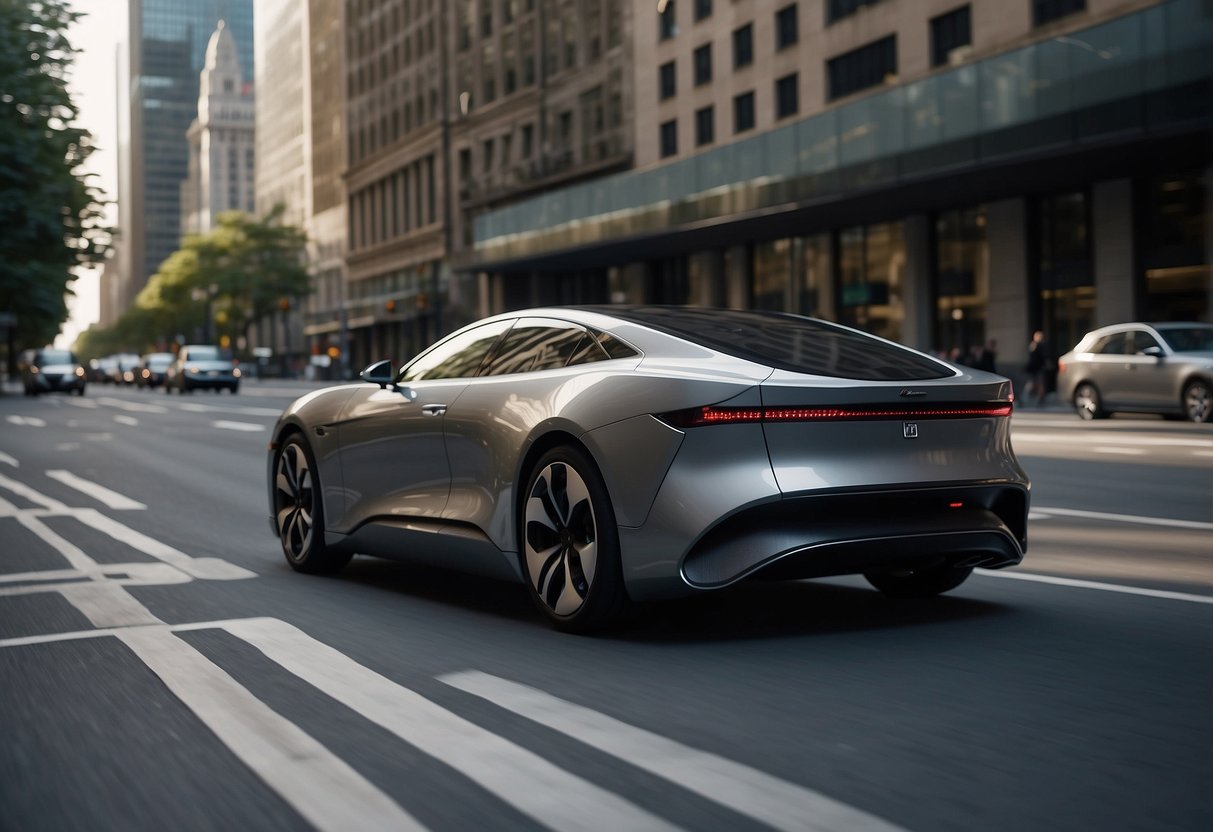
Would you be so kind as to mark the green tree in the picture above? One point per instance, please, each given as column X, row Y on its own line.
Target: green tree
column 50, row 216
column 216, row 284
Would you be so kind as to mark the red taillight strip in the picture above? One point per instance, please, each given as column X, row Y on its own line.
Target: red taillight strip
column 709, row 415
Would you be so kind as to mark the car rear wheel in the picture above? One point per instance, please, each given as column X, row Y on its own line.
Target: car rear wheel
column 1198, row 402
column 1087, row 403
column 918, row 583
column 299, row 511
column 570, row 546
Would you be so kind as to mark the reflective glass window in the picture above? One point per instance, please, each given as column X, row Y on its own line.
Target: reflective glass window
column 534, row 345
column 459, row 356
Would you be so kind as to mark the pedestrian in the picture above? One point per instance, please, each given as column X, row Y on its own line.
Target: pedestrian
column 985, row 356
column 1039, row 360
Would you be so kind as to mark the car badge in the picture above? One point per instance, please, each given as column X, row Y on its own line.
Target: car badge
column 906, row 391
column 909, row 430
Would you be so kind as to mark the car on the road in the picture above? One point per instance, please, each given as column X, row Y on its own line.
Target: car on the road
column 602, row 455
column 152, row 369
column 52, row 370
column 120, row 368
column 202, row 367
column 1162, row 368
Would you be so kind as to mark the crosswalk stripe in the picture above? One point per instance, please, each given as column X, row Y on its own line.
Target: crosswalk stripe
column 750, row 792
column 98, row 492
column 526, row 781
column 323, row 788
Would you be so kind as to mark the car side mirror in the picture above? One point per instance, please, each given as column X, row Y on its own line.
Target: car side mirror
column 379, row 373
column 1153, row 352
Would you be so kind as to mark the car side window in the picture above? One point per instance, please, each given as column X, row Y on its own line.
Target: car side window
column 535, row 344
column 1113, row 344
column 456, row 357
column 1141, row 340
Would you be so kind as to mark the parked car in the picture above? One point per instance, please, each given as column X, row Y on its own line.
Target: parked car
column 1164, row 368
column 607, row 454
column 152, row 369
column 51, row 370
column 201, row 367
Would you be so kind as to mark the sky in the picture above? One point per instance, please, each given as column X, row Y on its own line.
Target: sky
column 92, row 84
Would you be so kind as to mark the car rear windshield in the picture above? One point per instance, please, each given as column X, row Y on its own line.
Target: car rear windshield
column 204, row 353
column 57, row 357
column 786, row 342
column 1188, row 338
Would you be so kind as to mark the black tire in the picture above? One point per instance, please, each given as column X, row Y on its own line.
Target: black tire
column 1087, row 403
column 299, row 510
column 235, row 388
column 1198, row 401
column 918, row 583
column 565, row 514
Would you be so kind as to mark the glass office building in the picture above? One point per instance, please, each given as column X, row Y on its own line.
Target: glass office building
column 166, row 52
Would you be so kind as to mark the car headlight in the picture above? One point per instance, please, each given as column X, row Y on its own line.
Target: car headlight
column 191, row 369
column 80, row 372
column 236, row 372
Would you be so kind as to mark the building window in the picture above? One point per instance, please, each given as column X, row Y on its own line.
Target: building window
column 705, row 126
column 667, row 27
column 871, row 262
column 962, row 267
column 1046, row 11
column 838, row 9
column 867, row 66
column 703, row 64
column 787, row 96
column 1175, row 210
column 667, row 82
column 703, row 8
column 486, row 18
column 743, row 46
column 528, row 140
column 669, row 138
column 1066, row 271
column 786, row 32
column 948, row 32
column 743, row 112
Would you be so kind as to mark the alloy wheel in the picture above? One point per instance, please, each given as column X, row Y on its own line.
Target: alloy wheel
column 561, row 538
column 1197, row 401
column 294, row 501
column 1086, row 402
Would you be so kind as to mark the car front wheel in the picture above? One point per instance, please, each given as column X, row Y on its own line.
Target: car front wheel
column 1087, row 403
column 918, row 583
column 570, row 546
column 299, row 511
column 1198, row 402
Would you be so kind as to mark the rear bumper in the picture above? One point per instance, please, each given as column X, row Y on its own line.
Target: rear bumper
column 852, row 532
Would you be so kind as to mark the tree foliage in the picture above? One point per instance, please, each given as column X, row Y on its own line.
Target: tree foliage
column 217, row 284
column 50, row 216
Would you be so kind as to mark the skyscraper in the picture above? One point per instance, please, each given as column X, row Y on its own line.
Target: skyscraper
column 166, row 53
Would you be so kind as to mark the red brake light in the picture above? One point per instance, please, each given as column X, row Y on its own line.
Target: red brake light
column 713, row 415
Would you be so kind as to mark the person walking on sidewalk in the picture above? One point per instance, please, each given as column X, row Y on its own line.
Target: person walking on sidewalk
column 1037, row 368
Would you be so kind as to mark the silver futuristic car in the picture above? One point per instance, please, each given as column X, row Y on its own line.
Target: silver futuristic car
column 1162, row 368
column 607, row 454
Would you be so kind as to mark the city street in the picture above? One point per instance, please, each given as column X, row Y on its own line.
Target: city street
column 161, row 667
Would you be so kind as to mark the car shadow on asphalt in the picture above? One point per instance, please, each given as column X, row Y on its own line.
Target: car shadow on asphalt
column 751, row 610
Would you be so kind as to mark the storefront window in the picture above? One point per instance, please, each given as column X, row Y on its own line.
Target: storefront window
column 961, row 281
column 1066, row 275
column 1176, row 269
column 813, row 283
column 871, row 261
column 772, row 275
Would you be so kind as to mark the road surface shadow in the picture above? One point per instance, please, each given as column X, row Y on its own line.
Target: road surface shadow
column 752, row 610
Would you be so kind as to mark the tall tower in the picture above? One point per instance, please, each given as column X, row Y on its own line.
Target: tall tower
column 166, row 50
column 220, row 140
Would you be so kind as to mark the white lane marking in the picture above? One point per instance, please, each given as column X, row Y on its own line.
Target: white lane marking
column 107, row 605
column 1118, row 449
column 126, row 420
column 1202, row 453
column 1102, row 587
column 67, row 446
column 8, row 460
column 133, row 407
column 23, row 490
column 1038, row 515
column 1125, row 518
column 1111, row 437
column 72, row 553
column 745, row 790
column 98, row 492
column 87, row 404
column 247, row 427
column 236, row 409
column 31, row 421
column 547, row 793
column 123, row 574
column 210, row 569
column 324, row 789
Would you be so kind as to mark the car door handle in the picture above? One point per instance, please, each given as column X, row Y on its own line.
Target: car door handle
column 433, row 409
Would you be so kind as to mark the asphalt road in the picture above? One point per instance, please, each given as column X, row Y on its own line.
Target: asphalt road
column 162, row 668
